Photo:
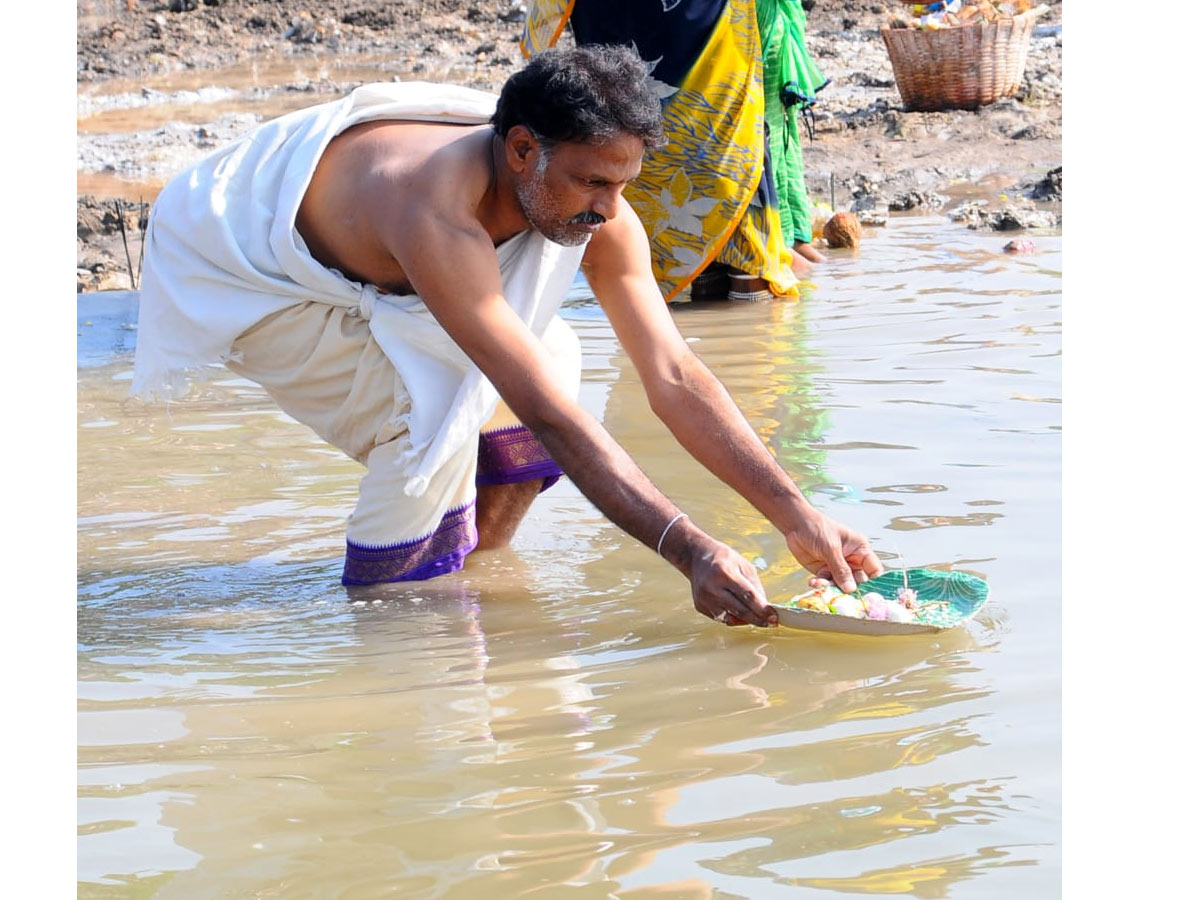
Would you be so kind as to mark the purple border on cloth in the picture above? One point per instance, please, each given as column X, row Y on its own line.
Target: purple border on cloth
column 438, row 553
column 512, row 454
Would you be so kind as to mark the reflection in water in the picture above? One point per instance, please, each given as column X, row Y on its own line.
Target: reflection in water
column 280, row 85
column 429, row 740
column 765, row 363
column 908, row 523
column 555, row 720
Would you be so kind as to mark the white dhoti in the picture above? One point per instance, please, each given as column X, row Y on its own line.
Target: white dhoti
column 227, row 278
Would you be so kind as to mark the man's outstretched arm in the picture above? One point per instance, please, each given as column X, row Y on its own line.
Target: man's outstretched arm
column 701, row 415
column 467, row 300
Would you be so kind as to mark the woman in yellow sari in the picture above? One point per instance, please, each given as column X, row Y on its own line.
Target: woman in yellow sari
column 707, row 199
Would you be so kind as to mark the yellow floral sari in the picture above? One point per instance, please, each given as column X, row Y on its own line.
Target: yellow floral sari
column 703, row 198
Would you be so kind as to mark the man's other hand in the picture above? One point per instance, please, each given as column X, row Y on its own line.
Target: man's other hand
column 830, row 550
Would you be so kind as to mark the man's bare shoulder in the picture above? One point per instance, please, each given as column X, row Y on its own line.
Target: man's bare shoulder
column 380, row 182
column 411, row 164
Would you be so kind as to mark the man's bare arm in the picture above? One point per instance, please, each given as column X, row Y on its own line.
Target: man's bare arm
column 701, row 415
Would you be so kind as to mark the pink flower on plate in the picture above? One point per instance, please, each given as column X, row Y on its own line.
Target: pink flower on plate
column 876, row 606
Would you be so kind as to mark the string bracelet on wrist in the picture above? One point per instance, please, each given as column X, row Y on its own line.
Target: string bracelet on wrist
column 663, row 536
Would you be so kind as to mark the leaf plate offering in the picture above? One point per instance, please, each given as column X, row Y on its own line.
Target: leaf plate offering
column 915, row 601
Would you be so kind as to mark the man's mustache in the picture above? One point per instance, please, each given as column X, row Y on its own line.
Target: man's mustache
column 588, row 218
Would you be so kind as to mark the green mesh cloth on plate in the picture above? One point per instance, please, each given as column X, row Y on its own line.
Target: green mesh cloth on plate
column 944, row 599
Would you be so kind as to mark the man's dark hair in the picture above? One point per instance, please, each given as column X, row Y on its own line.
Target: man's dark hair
column 582, row 94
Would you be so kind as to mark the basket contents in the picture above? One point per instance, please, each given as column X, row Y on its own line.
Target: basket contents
column 956, row 12
column 956, row 55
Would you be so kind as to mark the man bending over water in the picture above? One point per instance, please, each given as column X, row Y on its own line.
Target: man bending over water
column 389, row 267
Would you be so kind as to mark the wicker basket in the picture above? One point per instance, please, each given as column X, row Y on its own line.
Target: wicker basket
column 959, row 67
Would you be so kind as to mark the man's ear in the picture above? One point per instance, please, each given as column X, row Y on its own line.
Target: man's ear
column 520, row 148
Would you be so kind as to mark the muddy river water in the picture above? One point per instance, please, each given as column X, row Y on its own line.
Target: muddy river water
column 555, row 720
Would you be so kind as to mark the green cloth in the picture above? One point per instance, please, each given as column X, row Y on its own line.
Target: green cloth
column 791, row 80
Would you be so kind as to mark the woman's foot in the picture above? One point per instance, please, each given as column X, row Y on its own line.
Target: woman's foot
column 808, row 251
column 743, row 286
column 712, row 283
column 801, row 267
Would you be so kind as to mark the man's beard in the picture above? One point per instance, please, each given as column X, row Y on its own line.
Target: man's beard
column 534, row 198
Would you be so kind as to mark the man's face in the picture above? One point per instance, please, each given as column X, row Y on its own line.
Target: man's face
column 569, row 192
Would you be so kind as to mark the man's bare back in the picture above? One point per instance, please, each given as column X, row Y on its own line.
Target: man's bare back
column 374, row 174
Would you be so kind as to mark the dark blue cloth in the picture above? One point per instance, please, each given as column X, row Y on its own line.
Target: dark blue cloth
column 669, row 35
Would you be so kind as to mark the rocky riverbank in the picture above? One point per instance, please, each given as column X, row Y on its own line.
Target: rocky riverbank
column 868, row 154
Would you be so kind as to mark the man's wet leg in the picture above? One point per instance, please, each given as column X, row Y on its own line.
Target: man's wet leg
column 500, row 508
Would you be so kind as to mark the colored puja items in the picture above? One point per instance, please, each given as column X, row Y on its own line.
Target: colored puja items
column 901, row 602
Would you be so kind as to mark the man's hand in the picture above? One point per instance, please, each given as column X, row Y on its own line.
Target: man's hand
column 725, row 586
column 830, row 550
